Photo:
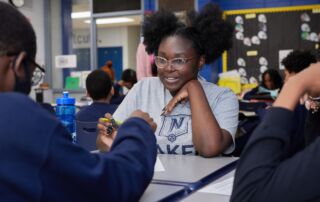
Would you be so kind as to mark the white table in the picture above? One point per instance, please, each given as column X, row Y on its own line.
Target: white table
column 185, row 168
column 200, row 196
column 156, row 192
column 181, row 171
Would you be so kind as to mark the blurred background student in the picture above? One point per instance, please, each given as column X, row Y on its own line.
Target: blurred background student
column 296, row 61
column 271, row 84
column 293, row 63
column 109, row 70
column 121, row 88
column 99, row 88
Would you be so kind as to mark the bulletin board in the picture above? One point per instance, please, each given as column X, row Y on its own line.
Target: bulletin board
column 262, row 37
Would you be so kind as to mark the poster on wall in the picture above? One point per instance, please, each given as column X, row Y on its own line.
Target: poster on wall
column 66, row 61
column 262, row 37
column 282, row 55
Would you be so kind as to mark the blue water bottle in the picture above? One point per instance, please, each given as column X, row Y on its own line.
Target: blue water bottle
column 65, row 111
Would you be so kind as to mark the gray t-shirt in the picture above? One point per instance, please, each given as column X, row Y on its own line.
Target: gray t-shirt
column 174, row 131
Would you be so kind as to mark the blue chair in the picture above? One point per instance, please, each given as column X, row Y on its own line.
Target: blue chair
column 87, row 134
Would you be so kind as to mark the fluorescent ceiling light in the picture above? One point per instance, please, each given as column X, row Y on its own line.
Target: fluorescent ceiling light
column 111, row 20
column 78, row 15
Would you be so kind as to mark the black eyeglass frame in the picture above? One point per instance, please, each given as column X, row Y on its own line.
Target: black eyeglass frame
column 37, row 66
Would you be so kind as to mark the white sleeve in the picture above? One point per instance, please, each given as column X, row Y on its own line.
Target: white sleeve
column 226, row 113
column 128, row 105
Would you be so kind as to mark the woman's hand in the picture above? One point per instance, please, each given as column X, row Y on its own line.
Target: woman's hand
column 181, row 97
column 106, row 134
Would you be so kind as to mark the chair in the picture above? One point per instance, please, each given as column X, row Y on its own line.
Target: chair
column 86, row 134
column 251, row 106
column 247, row 124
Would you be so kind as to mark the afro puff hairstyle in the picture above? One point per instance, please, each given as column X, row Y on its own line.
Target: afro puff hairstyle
column 210, row 34
column 298, row 60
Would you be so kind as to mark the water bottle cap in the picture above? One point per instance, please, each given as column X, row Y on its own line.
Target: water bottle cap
column 65, row 100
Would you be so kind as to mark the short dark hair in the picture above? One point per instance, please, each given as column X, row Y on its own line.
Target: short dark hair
column 98, row 84
column 275, row 78
column 298, row 60
column 207, row 30
column 129, row 75
column 16, row 32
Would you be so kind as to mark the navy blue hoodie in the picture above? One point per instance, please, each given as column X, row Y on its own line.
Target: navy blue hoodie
column 38, row 162
column 266, row 170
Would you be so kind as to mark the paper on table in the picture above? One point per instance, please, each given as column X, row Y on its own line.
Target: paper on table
column 224, row 187
column 158, row 167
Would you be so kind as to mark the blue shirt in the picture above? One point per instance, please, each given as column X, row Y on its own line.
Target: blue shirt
column 39, row 162
column 95, row 111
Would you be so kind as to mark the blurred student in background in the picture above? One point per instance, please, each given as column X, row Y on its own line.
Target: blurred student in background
column 197, row 116
column 38, row 160
column 99, row 88
column 109, row 70
column 122, row 87
column 271, row 84
column 296, row 61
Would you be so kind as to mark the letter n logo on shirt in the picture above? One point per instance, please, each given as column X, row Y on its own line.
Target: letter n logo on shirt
column 173, row 126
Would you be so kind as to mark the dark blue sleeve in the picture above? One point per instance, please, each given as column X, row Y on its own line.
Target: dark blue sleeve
column 72, row 174
column 266, row 173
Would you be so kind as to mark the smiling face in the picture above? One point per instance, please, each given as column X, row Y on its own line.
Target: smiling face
column 178, row 47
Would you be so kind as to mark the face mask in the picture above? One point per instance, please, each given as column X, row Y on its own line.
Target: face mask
column 273, row 93
column 23, row 86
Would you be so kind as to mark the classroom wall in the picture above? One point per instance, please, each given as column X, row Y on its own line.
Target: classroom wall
column 133, row 42
column 56, row 45
column 246, row 4
column 126, row 37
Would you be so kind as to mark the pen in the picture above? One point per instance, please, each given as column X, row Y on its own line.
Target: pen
column 114, row 124
column 113, row 121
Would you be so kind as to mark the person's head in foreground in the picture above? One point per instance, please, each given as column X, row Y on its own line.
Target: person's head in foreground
column 38, row 160
column 17, row 51
column 296, row 61
column 182, row 48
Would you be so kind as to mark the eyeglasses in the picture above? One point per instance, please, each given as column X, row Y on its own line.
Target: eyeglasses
column 38, row 75
column 177, row 63
column 38, row 72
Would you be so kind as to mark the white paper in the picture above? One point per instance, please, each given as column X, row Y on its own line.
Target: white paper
column 158, row 167
column 66, row 61
column 229, row 73
column 282, row 55
column 224, row 187
column 83, row 78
